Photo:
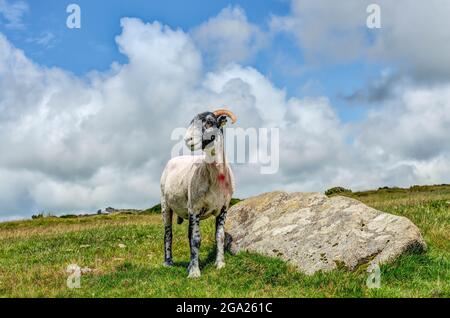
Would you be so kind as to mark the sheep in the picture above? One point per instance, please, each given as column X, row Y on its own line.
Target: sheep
column 198, row 186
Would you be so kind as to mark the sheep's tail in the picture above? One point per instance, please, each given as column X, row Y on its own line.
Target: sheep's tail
column 179, row 220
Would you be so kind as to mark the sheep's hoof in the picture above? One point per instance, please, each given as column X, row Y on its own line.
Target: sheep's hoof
column 220, row 265
column 194, row 272
column 168, row 263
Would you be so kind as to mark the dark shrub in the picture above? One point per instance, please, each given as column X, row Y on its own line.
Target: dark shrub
column 337, row 190
column 68, row 216
column 37, row 216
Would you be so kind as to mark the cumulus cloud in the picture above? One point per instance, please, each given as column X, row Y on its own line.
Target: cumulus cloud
column 84, row 143
column 229, row 37
column 418, row 124
column 73, row 143
column 414, row 35
column 325, row 30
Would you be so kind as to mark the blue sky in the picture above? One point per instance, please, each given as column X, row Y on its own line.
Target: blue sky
column 93, row 46
column 46, row 40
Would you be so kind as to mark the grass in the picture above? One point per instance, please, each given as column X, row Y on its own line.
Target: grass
column 124, row 253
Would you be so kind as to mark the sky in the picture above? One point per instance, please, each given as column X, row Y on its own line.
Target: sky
column 86, row 114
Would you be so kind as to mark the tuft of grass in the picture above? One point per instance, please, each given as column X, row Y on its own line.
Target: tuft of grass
column 124, row 254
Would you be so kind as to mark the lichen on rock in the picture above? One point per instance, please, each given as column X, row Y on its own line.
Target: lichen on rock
column 316, row 233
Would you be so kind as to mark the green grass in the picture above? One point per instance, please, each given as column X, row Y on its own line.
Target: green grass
column 34, row 255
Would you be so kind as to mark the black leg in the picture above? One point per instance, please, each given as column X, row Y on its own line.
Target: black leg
column 167, row 215
column 220, row 238
column 194, row 243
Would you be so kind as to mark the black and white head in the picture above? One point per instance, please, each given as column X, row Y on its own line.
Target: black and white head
column 207, row 127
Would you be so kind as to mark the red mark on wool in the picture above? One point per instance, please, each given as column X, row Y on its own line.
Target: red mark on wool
column 223, row 181
column 221, row 177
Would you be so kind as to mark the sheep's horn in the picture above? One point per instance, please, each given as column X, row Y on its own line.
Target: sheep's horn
column 225, row 112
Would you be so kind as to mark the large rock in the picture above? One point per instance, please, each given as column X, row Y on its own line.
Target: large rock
column 315, row 232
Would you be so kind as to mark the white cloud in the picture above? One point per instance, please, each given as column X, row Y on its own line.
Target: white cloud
column 414, row 34
column 411, row 131
column 78, row 144
column 229, row 37
column 88, row 143
column 325, row 30
column 13, row 13
column 71, row 144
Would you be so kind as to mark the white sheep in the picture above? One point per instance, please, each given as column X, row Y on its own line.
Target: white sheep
column 197, row 187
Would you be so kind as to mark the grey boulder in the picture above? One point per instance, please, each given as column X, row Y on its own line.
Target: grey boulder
column 317, row 233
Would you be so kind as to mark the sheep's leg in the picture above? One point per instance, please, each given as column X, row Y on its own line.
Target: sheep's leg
column 220, row 238
column 167, row 215
column 194, row 243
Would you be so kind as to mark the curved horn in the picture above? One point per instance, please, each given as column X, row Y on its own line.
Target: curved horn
column 227, row 113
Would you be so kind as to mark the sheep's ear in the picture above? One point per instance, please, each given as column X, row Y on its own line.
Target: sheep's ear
column 222, row 121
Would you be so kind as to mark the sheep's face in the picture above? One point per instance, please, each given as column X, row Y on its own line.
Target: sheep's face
column 203, row 130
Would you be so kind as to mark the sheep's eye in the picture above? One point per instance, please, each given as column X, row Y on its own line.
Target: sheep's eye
column 208, row 124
